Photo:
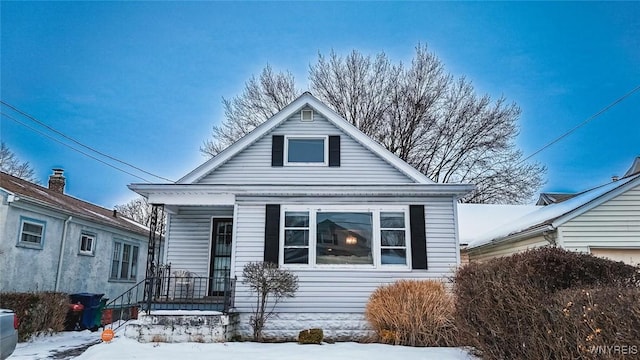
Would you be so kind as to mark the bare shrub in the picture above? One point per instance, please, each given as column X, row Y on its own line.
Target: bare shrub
column 412, row 312
column 39, row 313
column 270, row 284
column 540, row 305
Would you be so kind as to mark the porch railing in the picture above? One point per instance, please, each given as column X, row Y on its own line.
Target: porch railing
column 173, row 292
column 190, row 292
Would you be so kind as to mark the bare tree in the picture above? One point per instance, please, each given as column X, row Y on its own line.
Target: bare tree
column 270, row 285
column 420, row 112
column 260, row 99
column 10, row 164
column 140, row 210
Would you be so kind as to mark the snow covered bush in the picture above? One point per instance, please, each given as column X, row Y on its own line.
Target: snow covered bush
column 412, row 312
column 270, row 285
column 539, row 305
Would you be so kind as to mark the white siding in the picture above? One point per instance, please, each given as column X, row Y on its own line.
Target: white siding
column 612, row 224
column 358, row 164
column 344, row 291
column 189, row 234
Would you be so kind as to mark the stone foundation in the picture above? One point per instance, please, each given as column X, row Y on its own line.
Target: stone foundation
column 286, row 326
column 182, row 326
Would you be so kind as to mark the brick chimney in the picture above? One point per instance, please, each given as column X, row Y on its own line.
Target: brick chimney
column 57, row 181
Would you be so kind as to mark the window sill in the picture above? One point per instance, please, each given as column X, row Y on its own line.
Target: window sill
column 133, row 281
column 86, row 254
column 27, row 245
column 288, row 164
column 336, row 268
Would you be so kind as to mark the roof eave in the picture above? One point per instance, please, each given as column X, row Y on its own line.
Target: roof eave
column 35, row 202
column 517, row 236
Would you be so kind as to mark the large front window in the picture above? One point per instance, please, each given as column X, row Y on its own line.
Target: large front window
column 347, row 237
column 344, row 238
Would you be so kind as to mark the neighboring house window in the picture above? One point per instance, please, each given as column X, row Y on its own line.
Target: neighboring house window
column 87, row 243
column 31, row 233
column 124, row 263
column 346, row 236
column 306, row 150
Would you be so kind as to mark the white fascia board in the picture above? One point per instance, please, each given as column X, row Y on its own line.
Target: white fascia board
column 192, row 198
column 624, row 187
column 196, row 194
column 302, row 101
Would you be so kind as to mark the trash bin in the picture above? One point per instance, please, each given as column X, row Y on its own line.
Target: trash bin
column 97, row 321
column 91, row 304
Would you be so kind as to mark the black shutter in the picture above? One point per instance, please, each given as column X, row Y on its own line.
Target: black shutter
column 334, row 150
column 272, row 233
column 277, row 150
column 418, row 237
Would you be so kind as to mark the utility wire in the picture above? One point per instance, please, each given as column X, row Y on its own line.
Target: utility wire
column 71, row 147
column 582, row 124
column 79, row 143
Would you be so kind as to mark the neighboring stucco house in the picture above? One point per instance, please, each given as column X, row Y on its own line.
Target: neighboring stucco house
column 50, row 241
column 604, row 221
column 310, row 192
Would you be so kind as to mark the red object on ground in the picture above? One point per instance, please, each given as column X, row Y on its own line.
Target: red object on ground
column 76, row 307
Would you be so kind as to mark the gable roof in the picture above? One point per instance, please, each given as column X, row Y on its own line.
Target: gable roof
column 23, row 190
column 302, row 101
column 551, row 216
column 552, row 198
column 635, row 167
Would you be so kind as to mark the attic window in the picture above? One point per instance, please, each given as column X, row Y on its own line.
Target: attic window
column 306, row 115
column 306, row 151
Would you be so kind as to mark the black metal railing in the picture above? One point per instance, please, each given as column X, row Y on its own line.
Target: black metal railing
column 184, row 291
column 173, row 292
column 126, row 305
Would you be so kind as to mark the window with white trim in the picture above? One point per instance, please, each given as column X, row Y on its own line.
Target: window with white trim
column 124, row 261
column 87, row 243
column 31, row 233
column 340, row 236
column 306, row 150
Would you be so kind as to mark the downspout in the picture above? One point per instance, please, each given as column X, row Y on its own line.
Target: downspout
column 62, row 243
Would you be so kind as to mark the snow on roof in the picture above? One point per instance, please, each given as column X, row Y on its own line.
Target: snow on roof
column 478, row 219
column 547, row 214
column 67, row 204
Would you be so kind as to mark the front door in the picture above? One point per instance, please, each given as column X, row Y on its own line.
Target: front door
column 219, row 268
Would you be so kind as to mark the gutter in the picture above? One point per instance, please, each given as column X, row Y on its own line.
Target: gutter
column 513, row 238
column 62, row 243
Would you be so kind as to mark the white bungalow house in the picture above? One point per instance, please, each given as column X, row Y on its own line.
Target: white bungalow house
column 604, row 221
column 310, row 192
column 50, row 241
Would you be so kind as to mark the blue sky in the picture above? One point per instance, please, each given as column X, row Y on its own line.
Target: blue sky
column 143, row 81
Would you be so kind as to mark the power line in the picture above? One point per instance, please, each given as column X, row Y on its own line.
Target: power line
column 582, row 123
column 71, row 147
column 79, row 143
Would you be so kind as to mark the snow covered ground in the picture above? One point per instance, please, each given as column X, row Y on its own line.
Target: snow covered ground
column 46, row 347
column 124, row 348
